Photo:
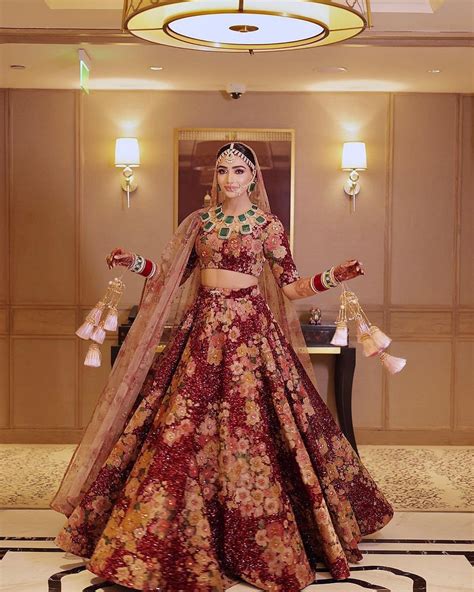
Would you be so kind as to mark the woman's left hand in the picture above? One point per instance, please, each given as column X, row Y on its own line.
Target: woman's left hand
column 348, row 270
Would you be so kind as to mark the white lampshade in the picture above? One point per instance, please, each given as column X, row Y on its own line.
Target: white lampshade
column 127, row 152
column 354, row 156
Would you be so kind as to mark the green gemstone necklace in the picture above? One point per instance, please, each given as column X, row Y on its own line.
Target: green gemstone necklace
column 242, row 223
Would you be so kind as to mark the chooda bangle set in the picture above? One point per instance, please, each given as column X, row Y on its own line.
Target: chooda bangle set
column 142, row 266
column 323, row 281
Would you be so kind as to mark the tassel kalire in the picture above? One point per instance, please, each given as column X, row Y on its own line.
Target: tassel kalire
column 374, row 341
column 341, row 336
column 103, row 317
column 391, row 363
column 93, row 357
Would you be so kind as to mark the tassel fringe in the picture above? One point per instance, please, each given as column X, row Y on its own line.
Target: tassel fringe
column 111, row 320
column 362, row 329
column 98, row 334
column 391, row 363
column 96, row 313
column 93, row 357
column 85, row 330
column 94, row 328
column 373, row 340
column 341, row 335
column 369, row 348
column 381, row 340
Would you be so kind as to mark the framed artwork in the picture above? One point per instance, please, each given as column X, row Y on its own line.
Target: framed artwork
column 195, row 157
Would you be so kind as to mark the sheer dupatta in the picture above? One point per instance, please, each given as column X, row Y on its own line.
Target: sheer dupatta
column 165, row 300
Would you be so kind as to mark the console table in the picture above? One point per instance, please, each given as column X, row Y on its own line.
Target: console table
column 343, row 378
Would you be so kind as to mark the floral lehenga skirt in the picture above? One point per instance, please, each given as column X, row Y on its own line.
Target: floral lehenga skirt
column 230, row 468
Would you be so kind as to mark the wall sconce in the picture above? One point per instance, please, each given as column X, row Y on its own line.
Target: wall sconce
column 127, row 155
column 354, row 158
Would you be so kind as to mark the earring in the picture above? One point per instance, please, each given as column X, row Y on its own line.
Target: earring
column 251, row 186
column 218, row 187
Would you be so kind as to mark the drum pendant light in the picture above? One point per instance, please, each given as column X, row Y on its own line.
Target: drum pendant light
column 245, row 25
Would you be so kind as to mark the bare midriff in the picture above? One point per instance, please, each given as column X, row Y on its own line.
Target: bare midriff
column 224, row 278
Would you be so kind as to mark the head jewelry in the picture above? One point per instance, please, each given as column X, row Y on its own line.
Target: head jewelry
column 231, row 152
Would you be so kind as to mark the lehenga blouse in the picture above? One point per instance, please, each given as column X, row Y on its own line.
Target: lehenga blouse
column 264, row 238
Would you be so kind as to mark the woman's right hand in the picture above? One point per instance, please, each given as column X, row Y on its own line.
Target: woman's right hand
column 119, row 257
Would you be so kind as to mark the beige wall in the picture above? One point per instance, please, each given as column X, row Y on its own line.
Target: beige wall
column 61, row 211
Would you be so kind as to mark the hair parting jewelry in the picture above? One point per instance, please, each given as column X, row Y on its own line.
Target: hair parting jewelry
column 231, row 152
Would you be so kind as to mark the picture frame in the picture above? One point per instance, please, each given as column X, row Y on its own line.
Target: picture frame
column 195, row 157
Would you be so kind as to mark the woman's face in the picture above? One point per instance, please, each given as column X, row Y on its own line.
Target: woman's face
column 234, row 177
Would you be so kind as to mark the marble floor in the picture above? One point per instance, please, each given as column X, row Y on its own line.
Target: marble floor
column 416, row 552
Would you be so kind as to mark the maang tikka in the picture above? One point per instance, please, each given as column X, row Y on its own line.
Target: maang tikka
column 230, row 154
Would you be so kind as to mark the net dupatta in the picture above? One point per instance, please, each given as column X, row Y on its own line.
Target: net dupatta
column 280, row 305
column 164, row 299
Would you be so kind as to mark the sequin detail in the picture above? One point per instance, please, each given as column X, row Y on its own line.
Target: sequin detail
column 230, row 467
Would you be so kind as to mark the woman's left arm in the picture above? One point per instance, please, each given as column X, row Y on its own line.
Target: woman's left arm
column 277, row 251
column 308, row 286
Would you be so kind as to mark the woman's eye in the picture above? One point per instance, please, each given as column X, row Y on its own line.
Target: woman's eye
column 221, row 171
column 240, row 171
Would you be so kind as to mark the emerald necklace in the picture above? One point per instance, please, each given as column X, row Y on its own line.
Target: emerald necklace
column 242, row 223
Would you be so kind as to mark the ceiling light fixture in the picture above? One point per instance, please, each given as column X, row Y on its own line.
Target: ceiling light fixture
column 331, row 69
column 18, row 67
column 434, row 71
column 156, row 68
column 246, row 25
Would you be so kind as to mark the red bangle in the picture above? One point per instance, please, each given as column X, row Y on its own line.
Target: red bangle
column 316, row 283
column 149, row 269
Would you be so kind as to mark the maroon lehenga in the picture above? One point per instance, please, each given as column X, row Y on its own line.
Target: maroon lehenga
column 230, row 468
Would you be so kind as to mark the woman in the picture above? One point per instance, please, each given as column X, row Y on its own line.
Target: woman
column 230, row 466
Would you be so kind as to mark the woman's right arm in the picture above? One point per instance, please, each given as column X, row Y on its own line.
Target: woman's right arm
column 143, row 266
column 131, row 261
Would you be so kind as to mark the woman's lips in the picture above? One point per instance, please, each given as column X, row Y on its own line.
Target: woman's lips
column 230, row 187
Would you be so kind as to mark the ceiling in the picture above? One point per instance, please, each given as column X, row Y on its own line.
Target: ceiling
column 394, row 56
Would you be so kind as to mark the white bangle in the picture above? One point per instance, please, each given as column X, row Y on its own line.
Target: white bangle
column 334, row 282
column 138, row 264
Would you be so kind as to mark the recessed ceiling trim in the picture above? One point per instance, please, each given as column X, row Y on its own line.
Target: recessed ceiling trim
column 117, row 37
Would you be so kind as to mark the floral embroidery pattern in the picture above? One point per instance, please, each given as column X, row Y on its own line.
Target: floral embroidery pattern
column 230, row 467
column 247, row 253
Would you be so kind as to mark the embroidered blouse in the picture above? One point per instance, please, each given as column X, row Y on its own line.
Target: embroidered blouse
column 246, row 253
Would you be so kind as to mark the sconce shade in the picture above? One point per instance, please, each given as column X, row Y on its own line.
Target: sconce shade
column 127, row 152
column 354, row 156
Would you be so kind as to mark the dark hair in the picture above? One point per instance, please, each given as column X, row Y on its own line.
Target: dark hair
column 241, row 148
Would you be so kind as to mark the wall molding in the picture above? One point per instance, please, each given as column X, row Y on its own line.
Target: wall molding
column 421, row 324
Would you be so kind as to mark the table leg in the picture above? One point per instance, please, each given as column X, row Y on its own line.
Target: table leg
column 343, row 378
